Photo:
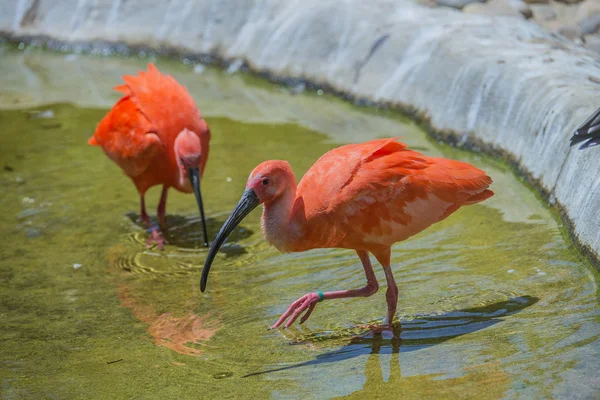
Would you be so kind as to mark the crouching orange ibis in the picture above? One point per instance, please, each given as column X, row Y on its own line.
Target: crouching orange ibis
column 157, row 135
column 364, row 197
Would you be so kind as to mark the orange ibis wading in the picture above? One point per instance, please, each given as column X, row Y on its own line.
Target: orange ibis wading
column 157, row 135
column 364, row 197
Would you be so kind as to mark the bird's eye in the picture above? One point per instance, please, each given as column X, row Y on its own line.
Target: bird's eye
column 265, row 181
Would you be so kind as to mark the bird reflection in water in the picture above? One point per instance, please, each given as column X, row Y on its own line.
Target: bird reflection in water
column 179, row 333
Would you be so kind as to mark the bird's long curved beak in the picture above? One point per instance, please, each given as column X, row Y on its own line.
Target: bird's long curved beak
column 194, row 175
column 247, row 203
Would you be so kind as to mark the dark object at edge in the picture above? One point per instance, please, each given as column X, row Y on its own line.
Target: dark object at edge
column 588, row 132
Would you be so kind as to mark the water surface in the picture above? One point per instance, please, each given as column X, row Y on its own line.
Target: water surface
column 494, row 301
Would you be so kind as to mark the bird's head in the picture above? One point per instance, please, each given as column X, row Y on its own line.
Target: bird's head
column 188, row 153
column 267, row 182
column 191, row 160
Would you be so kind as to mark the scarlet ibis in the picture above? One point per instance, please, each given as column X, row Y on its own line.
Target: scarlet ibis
column 588, row 132
column 157, row 135
column 364, row 197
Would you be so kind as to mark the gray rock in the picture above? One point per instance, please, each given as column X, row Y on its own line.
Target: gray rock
column 570, row 32
column 495, row 8
column 457, row 3
column 521, row 7
column 592, row 42
column 590, row 25
column 586, row 9
column 567, row 14
column 543, row 13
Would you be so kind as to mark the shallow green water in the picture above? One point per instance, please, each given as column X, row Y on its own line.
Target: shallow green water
column 493, row 301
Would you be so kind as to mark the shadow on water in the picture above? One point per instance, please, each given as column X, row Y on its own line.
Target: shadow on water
column 186, row 232
column 407, row 335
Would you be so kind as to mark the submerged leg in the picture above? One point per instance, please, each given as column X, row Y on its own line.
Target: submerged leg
column 143, row 214
column 309, row 301
column 156, row 237
column 162, row 209
column 391, row 295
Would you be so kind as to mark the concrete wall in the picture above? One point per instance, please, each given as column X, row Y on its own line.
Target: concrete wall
column 500, row 81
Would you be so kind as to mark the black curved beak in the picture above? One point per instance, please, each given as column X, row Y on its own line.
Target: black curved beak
column 194, row 175
column 247, row 203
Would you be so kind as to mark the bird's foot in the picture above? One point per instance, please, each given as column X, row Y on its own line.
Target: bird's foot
column 307, row 302
column 156, row 239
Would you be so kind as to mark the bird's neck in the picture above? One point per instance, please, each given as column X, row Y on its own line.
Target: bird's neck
column 278, row 223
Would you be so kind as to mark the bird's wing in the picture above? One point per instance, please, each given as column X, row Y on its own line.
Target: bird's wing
column 164, row 102
column 128, row 137
column 588, row 131
column 345, row 174
column 380, row 184
column 454, row 181
column 153, row 110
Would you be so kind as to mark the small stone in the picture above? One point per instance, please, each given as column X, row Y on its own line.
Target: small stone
column 77, row 266
column 320, row 92
column 46, row 114
column 223, row 375
column 27, row 200
column 521, row 7
column 494, row 8
column 299, row 88
column 32, row 233
column 28, row 212
column 543, row 13
column 570, row 32
column 587, row 9
column 457, row 3
column 590, row 25
column 510, row 271
column 592, row 42
column 428, row 3
column 199, row 68
column 228, row 179
column 235, row 66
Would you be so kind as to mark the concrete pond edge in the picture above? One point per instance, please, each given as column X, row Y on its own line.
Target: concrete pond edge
column 564, row 177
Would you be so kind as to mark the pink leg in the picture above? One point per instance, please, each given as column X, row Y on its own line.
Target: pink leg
column 162, row 209
column 156, row 237
column 309, row 301
column 143, row 214
column 391, row 295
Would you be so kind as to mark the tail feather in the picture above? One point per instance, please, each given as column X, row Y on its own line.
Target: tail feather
column 588, row 132
column 93, row 142
column 486, row 194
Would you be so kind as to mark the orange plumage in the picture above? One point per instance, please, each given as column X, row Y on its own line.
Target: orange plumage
column 374, row 194
column 364, row 197
column 156, row 134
